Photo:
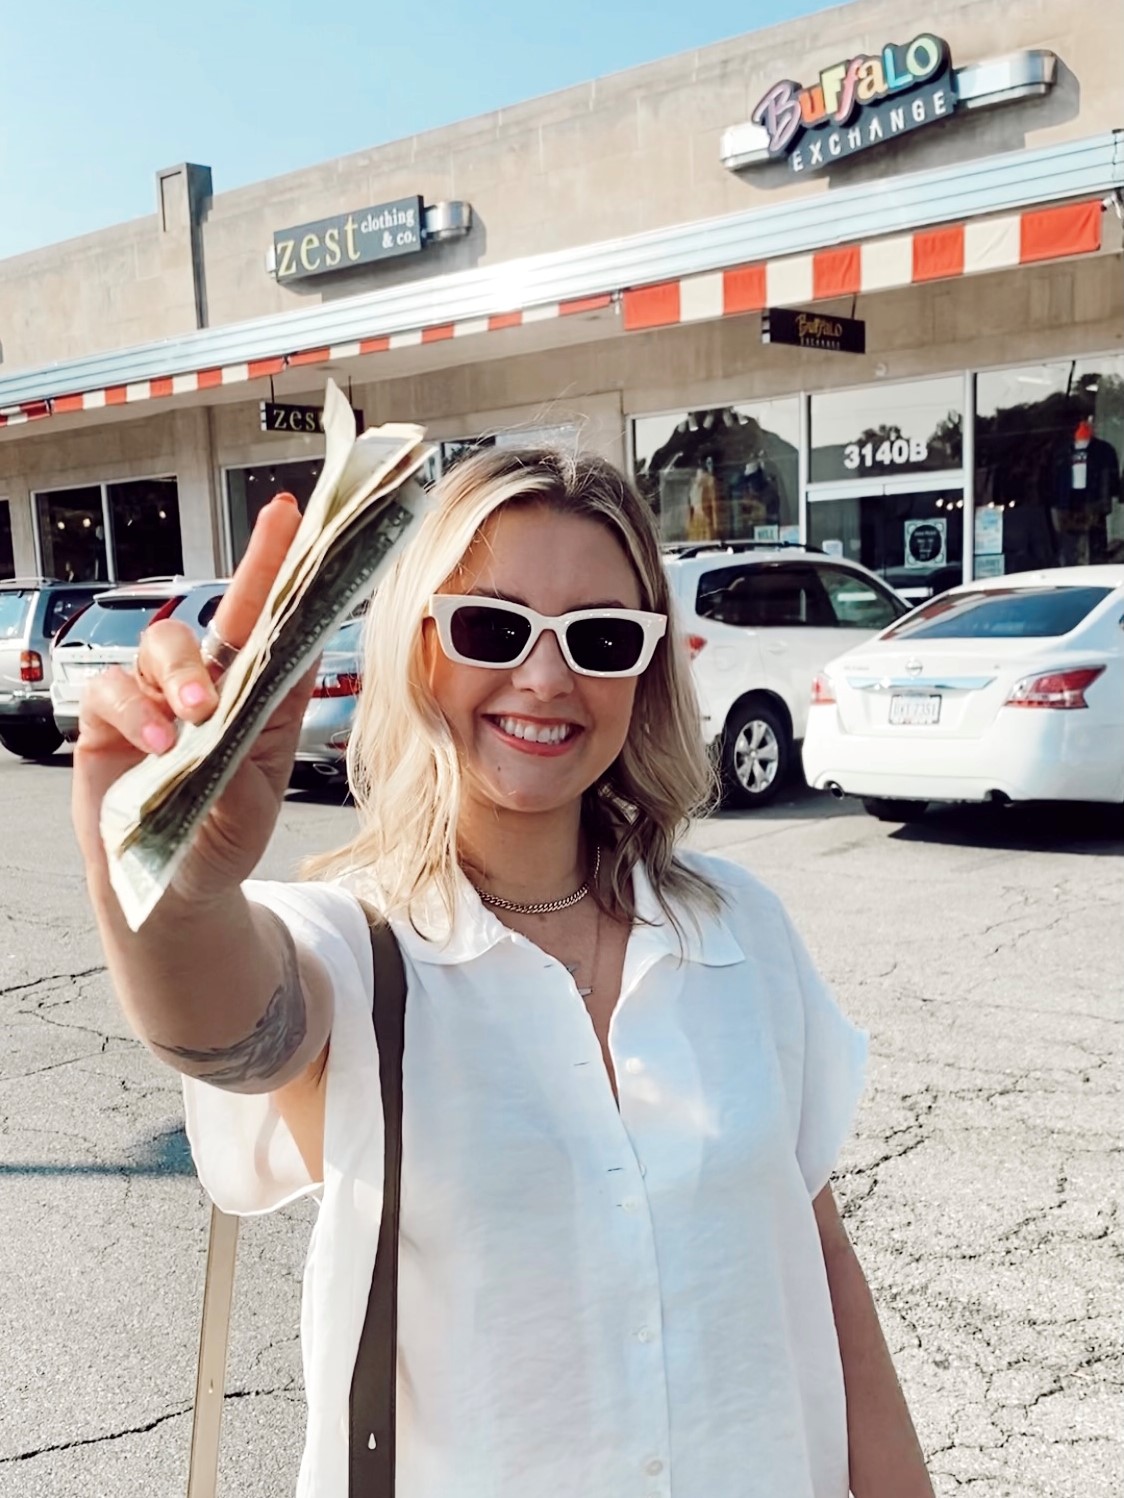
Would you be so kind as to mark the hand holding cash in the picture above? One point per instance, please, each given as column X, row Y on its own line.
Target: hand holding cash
column 152, row 814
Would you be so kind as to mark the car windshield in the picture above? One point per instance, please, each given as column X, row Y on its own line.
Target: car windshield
column 1000, row 614
column 112, row 621
column 13, row 612
column 346, row 637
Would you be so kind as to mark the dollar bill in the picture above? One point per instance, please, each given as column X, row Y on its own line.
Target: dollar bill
column 365, row 501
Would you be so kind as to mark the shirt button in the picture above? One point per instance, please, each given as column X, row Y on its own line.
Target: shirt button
column 654, row 1468
column 634, row 1065
column 645, row 1334
column 630, row 1204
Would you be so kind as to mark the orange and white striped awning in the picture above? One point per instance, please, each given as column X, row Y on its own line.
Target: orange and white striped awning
column 937, row 254
column 932, row 254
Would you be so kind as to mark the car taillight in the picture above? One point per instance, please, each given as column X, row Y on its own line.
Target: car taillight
column 1056, row 689
column 31, row 665
column 694, row 644
column 338, row 684
column 823, row 691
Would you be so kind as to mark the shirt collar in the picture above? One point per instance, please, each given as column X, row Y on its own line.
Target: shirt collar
column 475, row 929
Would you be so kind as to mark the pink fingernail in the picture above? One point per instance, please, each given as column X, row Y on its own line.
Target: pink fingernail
column 193, row 694
column 158, row 737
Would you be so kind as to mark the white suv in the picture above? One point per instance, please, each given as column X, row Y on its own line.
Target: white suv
column 761, row 623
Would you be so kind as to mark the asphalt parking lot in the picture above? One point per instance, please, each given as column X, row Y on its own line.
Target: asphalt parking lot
column 984, row 954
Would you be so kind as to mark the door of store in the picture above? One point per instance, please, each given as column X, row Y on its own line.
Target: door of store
column 7, row 553
column 911, row 532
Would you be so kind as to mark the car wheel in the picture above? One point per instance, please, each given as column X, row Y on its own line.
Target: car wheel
column 30, row 740
column 756, row 755
column 888, row 809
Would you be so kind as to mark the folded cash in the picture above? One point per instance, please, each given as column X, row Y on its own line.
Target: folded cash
column 364, row 502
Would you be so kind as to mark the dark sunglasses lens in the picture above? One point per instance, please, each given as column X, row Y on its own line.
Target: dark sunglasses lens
column 605, row 644
column 491, row 636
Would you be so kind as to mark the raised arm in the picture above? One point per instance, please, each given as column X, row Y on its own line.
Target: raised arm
column 212, row 984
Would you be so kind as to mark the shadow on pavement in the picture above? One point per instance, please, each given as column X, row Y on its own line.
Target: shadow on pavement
column 1032, row 827
column 796, row 802
column 166, row 1154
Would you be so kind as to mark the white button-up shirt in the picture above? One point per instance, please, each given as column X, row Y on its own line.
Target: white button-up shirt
column 594, row 1302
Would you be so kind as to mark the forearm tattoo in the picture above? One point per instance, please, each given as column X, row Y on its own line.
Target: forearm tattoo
column 274, row 1040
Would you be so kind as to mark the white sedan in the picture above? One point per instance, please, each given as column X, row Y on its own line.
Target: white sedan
column 1006, row 689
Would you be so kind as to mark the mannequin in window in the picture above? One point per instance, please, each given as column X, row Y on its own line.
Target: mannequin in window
column 1086, row 482
column 702, row 521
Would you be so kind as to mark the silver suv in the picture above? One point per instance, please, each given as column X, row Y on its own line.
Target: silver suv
column 32, row 611
column 108, row 633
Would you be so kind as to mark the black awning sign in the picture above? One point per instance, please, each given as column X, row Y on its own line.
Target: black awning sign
column 813, row 330
column 285, row 417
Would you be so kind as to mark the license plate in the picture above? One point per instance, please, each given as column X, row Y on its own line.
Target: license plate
column 916, row 711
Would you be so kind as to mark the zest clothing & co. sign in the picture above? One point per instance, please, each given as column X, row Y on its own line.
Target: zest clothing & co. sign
column 859, row 103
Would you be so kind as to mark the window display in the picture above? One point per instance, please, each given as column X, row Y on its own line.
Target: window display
column 72, row 534
column 879, row 431
column 729, row 474
column 249, row 490
column 1049, row 444
column 145, row 526
column 144, row 531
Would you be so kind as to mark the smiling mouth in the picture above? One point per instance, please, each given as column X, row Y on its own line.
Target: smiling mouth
column 536, row 733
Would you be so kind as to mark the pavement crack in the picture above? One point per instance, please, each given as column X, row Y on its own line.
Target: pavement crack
column 115, row 1435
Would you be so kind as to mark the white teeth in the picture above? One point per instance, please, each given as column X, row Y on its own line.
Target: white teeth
column 542, row 733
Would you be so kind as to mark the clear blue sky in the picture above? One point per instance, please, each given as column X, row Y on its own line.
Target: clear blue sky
column 97, row 95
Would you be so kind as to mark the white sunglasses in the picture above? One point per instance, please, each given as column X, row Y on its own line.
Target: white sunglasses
column 480, row 631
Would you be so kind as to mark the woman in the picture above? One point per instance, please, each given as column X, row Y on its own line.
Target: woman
column 622, row 1270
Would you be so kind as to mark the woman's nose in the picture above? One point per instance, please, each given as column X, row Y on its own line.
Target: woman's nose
column 544, row 672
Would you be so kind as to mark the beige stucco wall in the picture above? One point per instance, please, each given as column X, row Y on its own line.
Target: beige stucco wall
column 615, row 156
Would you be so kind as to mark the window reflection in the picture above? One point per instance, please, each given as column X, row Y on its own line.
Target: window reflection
column 1049, row 443
column 883, row 430
column 729, row 473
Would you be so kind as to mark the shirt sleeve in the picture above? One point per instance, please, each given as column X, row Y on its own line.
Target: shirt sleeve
column 834, row 1072
column 244, row 1154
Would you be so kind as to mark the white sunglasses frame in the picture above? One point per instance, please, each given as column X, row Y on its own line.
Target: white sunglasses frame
column 442, row 607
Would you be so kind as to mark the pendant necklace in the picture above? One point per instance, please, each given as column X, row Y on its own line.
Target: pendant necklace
column 572, row 967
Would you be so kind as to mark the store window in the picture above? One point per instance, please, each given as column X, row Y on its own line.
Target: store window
column 7, row 551
column 881, row 431
column 144, row 517
column 1049, row 446
column 729, row 473
column 72, row 534
column 249, row 490
column 144, row 531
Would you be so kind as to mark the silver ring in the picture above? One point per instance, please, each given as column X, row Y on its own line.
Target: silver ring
column 219, row 654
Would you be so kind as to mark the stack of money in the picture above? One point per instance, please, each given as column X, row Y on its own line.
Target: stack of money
column 365, row 501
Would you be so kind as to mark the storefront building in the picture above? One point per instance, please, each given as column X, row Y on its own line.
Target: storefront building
column 856, row 282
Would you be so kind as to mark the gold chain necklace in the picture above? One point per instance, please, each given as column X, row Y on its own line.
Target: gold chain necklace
column 543, row 907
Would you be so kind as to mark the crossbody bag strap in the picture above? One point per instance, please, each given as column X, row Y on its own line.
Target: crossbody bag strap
column 374, row 1379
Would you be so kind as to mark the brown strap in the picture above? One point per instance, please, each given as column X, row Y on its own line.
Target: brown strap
column 374, row 1380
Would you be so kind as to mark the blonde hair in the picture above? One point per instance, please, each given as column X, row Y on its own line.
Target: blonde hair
column 402, row 761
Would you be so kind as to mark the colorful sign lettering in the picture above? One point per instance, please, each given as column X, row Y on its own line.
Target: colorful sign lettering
column 858, row 103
